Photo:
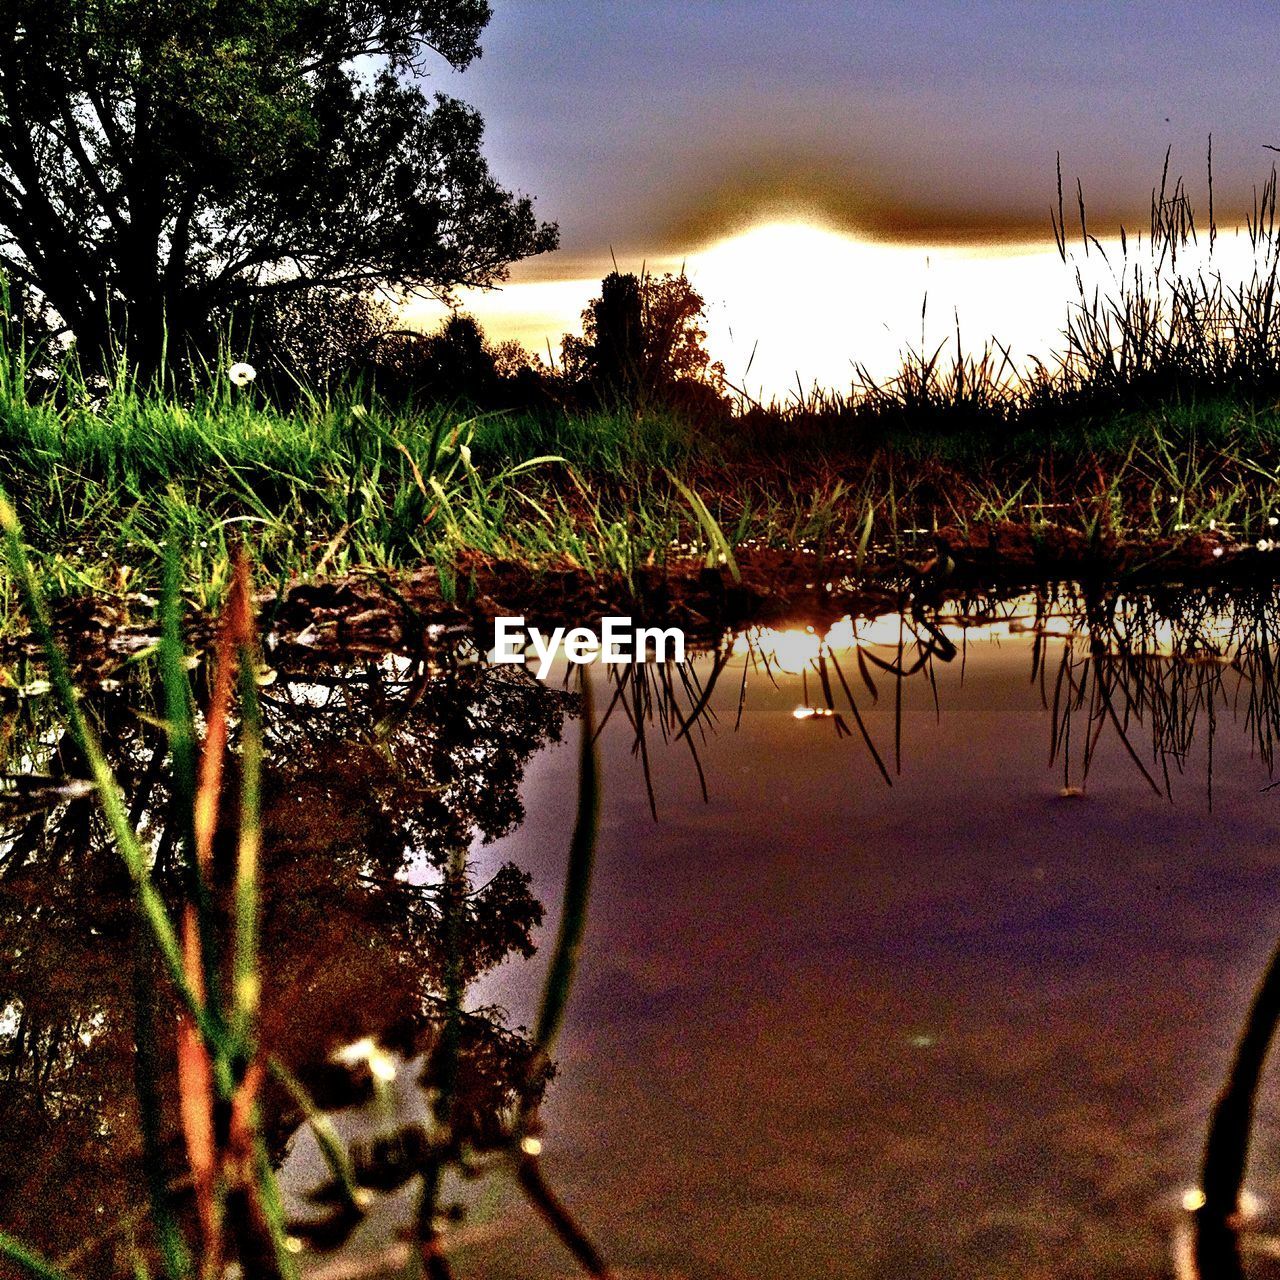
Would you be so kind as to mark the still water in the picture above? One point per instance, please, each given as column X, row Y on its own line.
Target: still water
column 921, row 951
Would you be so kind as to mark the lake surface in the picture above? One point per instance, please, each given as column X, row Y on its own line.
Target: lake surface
column 922, row 952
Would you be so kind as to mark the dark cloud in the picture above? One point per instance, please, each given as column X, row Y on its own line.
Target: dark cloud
column 836, row 198
column 656, row 126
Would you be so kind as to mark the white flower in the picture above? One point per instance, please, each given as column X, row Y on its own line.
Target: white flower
column 242, row 374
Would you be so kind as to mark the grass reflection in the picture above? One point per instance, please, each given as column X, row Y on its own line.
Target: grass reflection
column 1155, row 673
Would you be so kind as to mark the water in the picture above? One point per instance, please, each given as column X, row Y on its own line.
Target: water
column 965, row 1020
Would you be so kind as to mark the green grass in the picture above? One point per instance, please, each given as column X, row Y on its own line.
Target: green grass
column 101, row 484
column 1159, row 417
column 331, row 485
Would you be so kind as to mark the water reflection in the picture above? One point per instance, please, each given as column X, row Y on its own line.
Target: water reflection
column 1075, row 975
column 866, row 1000
column 1152, row 671
column 379, row 774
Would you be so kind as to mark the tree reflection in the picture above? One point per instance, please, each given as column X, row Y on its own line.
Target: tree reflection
column 382, row 776
column 380, row 779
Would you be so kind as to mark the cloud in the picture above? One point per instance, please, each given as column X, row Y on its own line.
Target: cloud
column 858, row 203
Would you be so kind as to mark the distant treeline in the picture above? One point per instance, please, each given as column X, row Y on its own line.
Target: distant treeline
column 1162, row 333
column 642, row 346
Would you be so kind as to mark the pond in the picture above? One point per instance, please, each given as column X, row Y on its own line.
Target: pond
column 916, row 945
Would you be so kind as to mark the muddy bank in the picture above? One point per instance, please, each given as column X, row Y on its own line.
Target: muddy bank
column 373, row 612
column 770, row 586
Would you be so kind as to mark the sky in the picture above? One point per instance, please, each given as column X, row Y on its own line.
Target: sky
column 657, row 131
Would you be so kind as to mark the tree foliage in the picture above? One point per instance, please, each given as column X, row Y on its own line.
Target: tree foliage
column 163, row 162
column 454, row 364
column 317, row 339
column 643, row 342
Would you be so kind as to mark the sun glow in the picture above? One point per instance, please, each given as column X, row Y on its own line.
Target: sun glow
column 792, row 304
column 800, row 649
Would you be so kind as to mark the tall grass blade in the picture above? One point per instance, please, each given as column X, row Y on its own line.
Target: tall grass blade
column 720, row 547
column 28, row 1260
column 577, row 887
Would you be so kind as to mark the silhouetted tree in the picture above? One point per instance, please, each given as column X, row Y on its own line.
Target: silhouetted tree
column 643, row 343
column 613, row 326
column 164, row 163
column 455, row 363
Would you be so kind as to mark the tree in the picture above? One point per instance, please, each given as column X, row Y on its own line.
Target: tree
column 316, row 338
column 455, row 363
column 165, row 162
column 458, row 364
column 643, row 342
column 613, row 352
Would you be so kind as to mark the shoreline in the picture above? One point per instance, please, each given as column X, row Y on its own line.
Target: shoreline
column 366, row 612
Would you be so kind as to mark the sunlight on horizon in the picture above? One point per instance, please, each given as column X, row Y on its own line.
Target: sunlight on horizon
column 792, row 304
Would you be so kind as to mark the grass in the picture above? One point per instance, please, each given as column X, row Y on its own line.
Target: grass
column 331, row 485
column 317, row 489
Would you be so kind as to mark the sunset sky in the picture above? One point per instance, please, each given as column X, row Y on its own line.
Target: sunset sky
column 887, row 149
